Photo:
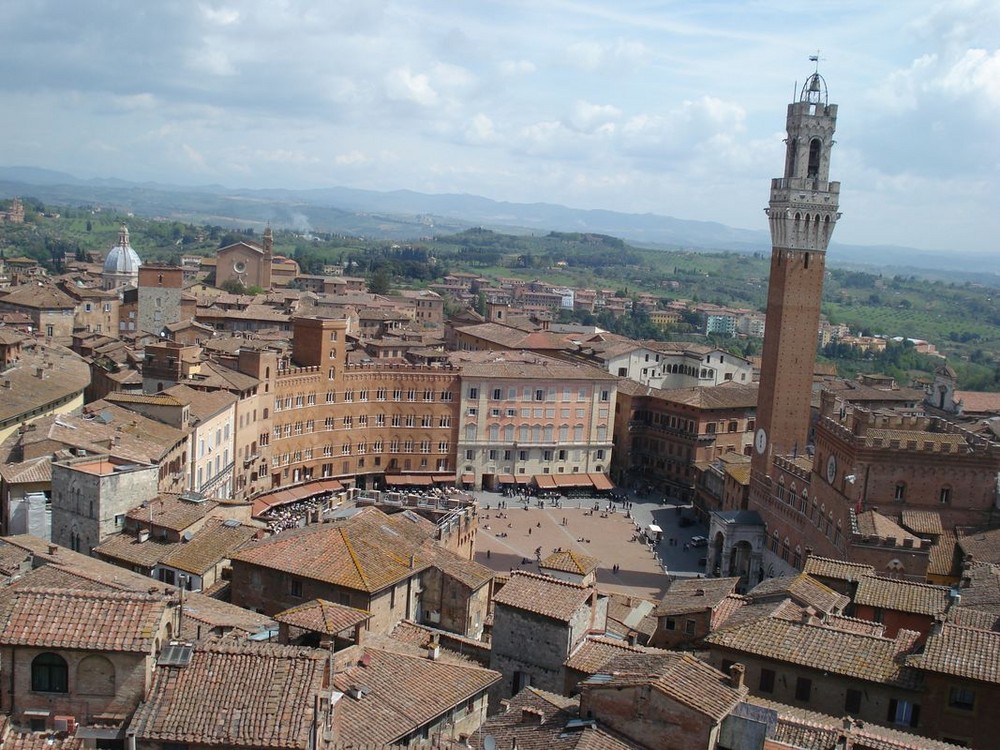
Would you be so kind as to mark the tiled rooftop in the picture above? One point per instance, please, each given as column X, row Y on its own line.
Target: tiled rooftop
column 962, row 652
column 543, row 595
column 680, row 676
column 629, row 613
column 555, row 711
column 569, row 561
column 405, row 692
column 167, row 510
column 265, row 699
column 125, row 550
column 942, row 560
column 983, row 546
column 90, row 620
column 872, row 523
column 922, row 522
column 842, row 570
column 524, row 365
column 687, row 595
column 72, row 570
column 863, row 657
column 804, row 590
column 902, row 596
column 854, row 625
column 65, row 375
column 366, row 552
column 594, row 652
column 321, row 616
column 213, row 543
column 809, row 730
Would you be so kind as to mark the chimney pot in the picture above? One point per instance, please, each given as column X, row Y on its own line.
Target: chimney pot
column 53, row 548
column 736, row 674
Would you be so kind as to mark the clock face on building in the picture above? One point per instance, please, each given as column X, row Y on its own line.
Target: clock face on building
column 831, row 469
column 760, row 441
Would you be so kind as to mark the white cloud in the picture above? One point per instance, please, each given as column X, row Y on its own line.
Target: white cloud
column 220, row 16
column 667, row 107
column 480, row 129
column 351, row 158
column 517, row 67
column 613, row 54
column 401, row 84
column 976, row 73
column 588, row 118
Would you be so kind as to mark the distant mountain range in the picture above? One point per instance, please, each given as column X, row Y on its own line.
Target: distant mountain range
column 404, row 214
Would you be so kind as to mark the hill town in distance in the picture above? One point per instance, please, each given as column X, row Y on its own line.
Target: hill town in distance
column 247, row 506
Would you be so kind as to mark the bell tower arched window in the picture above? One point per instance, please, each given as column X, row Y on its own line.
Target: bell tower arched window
column 815, row 149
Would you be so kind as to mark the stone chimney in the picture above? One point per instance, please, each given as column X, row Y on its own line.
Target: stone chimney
column 736, row 674
column 433, row 649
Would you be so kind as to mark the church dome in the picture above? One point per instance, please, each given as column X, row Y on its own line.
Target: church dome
column 122, row 259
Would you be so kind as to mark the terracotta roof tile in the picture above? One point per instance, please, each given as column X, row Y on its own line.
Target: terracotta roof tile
column 962, row 652
column 460, row 646
column 902, row 596
column 405, row 692
column 365, row 552
column 569, row 561
column 72, row 570
column 524, row 365
column 981, row 587
column 214, row 542
column 854, row 625
column 974, row 618
column 125, row 550
column 549, row 734
column 687, row 595
column 942, row 560
column 543, row 595
column 234, row 694
column 91, row 620
column 841, row 570
column 169, row 511
column 863, row 657
column 983, row 546
column 321, row 616
column 41, row 741
column 809, row 730
column 804, row 590
column 922, row 522
column 64, row 375
column 593, row 653
column 680, row 676
column 628, row 614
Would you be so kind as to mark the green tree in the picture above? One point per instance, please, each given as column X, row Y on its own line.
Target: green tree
column 379, row 281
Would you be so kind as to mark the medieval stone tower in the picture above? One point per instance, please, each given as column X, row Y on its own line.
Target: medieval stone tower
column 802, row 213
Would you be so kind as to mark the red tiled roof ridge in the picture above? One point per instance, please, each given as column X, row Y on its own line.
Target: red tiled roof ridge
column 918, row 584
column 550, row 579
column 354, row 558
column 233, row 646
column 122, row 595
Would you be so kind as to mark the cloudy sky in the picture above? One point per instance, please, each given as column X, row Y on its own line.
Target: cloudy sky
column 670, row 107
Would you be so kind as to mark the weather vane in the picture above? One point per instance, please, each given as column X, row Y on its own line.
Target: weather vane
column 816, row 58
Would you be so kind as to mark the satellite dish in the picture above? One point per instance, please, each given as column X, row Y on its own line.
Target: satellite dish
column 489, row 742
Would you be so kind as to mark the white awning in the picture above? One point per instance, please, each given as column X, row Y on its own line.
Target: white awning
column 655, row 529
